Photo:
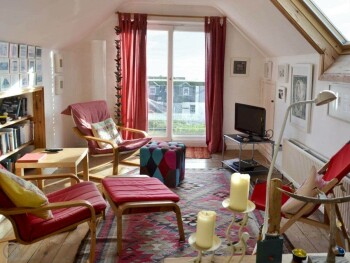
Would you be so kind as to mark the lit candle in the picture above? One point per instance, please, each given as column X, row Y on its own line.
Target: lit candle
column 239, row 191
column 205, row 229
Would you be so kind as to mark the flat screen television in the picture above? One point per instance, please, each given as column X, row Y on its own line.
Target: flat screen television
column 250, row 120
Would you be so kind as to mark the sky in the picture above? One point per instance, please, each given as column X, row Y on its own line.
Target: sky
column 189, row 55
column 337, row 11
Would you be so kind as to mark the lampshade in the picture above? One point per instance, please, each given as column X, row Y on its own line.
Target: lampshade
column 324, row 97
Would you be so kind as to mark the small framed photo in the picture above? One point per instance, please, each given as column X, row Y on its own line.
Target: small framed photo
column 283, row 73
column 14, row 65
column 4, row 50
column 4, row 65
column 268, row 70
column 22, row 51
column 13, row 50
column 23, row 66
column 15, row 81
column 239, row 67
column 31, row 65
column 58, row 63
column 59, row 84
column 282, row 93
column 31, row 51
column 5, row 82
column 23, row 81
column 38, row 65
column 38, row 52
column 39, row 79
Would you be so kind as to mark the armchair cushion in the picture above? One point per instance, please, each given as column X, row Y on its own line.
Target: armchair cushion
column 124, row 147
column 24, row 193
column 106, row 130
column 308, row 188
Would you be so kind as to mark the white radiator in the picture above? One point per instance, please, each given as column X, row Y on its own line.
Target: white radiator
column 297, row 160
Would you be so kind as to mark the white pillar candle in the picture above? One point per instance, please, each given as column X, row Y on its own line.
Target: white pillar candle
column 239, row 191
column 205, row 229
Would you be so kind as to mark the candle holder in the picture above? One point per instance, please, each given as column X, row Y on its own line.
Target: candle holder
column 215, row 246
column 241, row 246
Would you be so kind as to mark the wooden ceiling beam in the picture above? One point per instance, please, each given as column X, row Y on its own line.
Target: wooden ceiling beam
column 315, row 33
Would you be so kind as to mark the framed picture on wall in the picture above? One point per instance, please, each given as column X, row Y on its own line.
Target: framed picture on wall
column 5, row 82
column 239, row 67
column 58, row 63
column 13, row 50
column 268, row 70
column 31, row 51
column 23, row 51
column 301, row 90
column 340, row 108
column 282, row 93
column 14, row 65
column 23, row 65
column 283, row 73
column 4, row 49
column 4, row 65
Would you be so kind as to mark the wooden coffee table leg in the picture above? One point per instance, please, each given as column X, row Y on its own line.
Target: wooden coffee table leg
column 40, row 182
column 86, row 167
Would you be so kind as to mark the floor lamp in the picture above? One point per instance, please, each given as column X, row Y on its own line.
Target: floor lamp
column 324, row 97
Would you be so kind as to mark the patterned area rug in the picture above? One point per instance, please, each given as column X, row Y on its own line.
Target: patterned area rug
column 152, row 237
column 197, row 153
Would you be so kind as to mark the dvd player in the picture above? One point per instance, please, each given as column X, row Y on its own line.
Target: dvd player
column 243, row 166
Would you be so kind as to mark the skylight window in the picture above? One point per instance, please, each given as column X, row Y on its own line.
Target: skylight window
column 334, row 15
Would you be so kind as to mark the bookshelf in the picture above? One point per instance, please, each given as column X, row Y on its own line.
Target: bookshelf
column 37, row 117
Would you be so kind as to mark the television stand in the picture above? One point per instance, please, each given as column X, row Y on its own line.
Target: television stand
column 250, row 165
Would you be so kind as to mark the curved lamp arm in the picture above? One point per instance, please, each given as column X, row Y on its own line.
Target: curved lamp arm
column 323, row 97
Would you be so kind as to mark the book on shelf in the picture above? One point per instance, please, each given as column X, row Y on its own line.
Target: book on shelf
column 12, row 106
column 32, row 157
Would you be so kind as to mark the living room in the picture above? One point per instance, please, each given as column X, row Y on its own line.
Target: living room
column 82, row 34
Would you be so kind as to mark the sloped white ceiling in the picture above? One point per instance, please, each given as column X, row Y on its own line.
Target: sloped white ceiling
column 60, row 23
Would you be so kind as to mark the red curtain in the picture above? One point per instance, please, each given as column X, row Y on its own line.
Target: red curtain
column 215, row 36
column 133, row 29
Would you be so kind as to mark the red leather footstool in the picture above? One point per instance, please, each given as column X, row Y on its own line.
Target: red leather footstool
column 139, row 194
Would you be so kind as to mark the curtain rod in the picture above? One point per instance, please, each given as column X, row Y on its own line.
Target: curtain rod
column 179, row 16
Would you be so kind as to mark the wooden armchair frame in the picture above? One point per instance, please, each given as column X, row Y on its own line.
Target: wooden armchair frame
column 52, row 206
column 118, row 157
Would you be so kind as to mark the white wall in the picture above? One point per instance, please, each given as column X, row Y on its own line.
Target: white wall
column 242, row 89
column 79, row 82
column 327, row 134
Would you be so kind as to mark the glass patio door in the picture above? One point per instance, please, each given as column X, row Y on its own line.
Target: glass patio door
column 175, row 75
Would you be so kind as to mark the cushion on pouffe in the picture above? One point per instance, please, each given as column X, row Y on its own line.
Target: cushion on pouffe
column 133, row 189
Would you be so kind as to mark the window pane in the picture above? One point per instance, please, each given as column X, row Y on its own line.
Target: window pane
column 337, row 12
column 157, row 66
column 189, row 91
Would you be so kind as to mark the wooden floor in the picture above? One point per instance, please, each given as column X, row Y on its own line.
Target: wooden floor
column 62, row 248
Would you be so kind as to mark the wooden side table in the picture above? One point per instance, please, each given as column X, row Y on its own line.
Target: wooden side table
column 67, row 158
column 241, row 246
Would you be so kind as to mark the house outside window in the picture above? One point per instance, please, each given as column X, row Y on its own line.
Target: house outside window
column 186, row 91
column 192, row 109
column 152, row 90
